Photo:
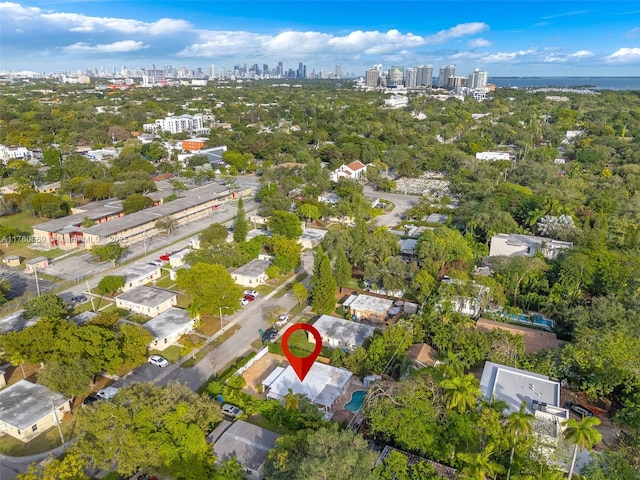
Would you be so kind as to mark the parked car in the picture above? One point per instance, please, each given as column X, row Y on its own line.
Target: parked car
column 164, row 258
column 79, row 299
column 231, row 410
column 158, row 361
column 157, row 263
column 579, row 409
column 90, row 400
column 253, row 293
column 269, row 335
column 107, row 393
column 244, row 301
column 282, row 319
column 250, row 298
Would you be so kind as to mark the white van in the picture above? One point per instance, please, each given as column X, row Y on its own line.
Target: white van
column 107, row 393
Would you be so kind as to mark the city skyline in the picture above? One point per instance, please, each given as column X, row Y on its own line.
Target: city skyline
column 505, row 38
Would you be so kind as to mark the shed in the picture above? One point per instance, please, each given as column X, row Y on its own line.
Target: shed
column 35, row 264
column 11, row 261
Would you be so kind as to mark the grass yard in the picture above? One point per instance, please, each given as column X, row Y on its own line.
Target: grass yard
column 99, row 302
column 172, row 353
column 165, row 282
column 209, row 325
column 42, row 443
column 139, row 319
column 218, row 341
column 265, row 289
column 289, row 286
column 184, row 300
column 260, row 421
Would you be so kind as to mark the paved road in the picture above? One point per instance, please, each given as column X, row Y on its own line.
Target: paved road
column 401, row 202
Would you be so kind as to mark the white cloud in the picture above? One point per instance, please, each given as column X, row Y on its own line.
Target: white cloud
column 479, row 42
column 460, row 30
column 563, row 58
column 115, row 47
column 634, row 32
column 14, row 13
column 500, row 57
column 625, row 55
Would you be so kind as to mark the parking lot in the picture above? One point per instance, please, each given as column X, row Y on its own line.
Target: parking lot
column 24, row 283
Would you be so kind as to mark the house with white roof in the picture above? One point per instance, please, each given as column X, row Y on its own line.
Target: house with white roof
column 354, row 171
column 493, row 156
column 244, row 442
column 177, row 259
column 513, row 245
column 368, row 307
column 149, row 301
column 341, row 333
column 168, row 327
column 540, row 394
column 252, row 273
column 323, row 385
column 29, row 409
column 311, row 237
column 139, row 274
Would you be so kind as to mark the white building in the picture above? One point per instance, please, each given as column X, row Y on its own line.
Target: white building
column 396, row 101
column 540, row 394
column 8, row 154
column 139, row 274
column 493, row 156
column 341, row 333
column 512, row 245
column 354, row 171
column 252, row 273
column 322, row 385
column 168, row 327
column 182, row 123
column 149, row 301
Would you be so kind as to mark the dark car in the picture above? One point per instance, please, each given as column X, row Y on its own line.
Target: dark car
column 269, row 335
column 79, row 299
column 90, row 400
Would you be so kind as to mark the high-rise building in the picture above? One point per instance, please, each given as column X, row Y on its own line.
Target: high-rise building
column 395, row 76
column 212, row 71
column 373, row 77
column 424, row 76
column 446, row 71
column 411, row 77
column 300, row 72
column 478, row 79
column 338, row 71
column 280, row 70
column 456, row 82
column 265, row 69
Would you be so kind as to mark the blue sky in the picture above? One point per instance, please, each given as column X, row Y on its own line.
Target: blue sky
column 506, row 38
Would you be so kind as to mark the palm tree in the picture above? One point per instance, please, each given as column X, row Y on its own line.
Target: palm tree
column 460, row 393
column 292, row 401
column 479, row 466
column 519, row 424
column 582, row 434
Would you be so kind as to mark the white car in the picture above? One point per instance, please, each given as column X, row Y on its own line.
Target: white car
column 107, row 393
column 282, row 319
column 231, row 410
column 244, row 301
column 158, row 361
column 253, row 293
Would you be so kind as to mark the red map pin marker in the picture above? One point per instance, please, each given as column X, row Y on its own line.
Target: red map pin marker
column 301, row 365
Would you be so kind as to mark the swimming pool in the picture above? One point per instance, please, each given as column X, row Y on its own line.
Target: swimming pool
column 356, row 401
column 535, row 319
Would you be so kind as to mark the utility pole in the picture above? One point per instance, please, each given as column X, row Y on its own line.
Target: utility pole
column 35, row 271
column 220, row 311
column 93, row 307
column 55, row 416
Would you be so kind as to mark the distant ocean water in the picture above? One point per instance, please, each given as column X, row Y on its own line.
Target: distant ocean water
column 596, row 83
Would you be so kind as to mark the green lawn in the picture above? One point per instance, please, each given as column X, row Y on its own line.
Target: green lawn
column 42, row 443
column 265, row 289
column 260, row 421
column 139, row 319
column 165, row 282
column 218, row 341
column 86, row 307
column 184, row 300
column 172, row 353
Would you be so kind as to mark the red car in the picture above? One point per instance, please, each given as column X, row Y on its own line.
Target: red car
column 250, row 298
column 164, row 258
